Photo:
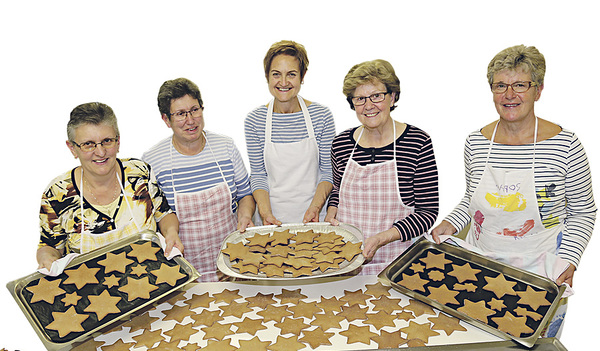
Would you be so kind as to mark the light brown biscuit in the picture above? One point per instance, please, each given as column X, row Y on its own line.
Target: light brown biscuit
column 355, row 334
column 67, row 322
column 103, row 304
column 81, row 276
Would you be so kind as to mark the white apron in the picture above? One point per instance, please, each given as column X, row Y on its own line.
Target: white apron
column 507, row 226
column 205, row 219
column 91, row 241
column 370, row 199
column 293, row 171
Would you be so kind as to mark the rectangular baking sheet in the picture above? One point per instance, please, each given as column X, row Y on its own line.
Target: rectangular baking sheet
column 16, row 289
column 459, row 255
column 348, row 232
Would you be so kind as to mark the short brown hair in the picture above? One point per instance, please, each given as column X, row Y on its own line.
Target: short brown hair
column 175, row 89
column 527, row 58
column 95, row 113
column 290, row 48
column 371, row 72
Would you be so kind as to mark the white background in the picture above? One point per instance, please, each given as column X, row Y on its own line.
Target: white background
column 58, row 54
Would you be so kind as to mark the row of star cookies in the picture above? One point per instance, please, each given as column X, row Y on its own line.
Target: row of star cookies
column 290, row 310
column 284, row 253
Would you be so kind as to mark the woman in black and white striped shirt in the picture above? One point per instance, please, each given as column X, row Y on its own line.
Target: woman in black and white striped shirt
column 529, row 190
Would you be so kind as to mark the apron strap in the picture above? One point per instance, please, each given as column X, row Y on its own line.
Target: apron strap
column 535, row 132
column 269, row 119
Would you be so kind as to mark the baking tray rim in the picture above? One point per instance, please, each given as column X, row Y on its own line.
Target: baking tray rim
column 354, row 264
column 423, row 244
column 15, row 287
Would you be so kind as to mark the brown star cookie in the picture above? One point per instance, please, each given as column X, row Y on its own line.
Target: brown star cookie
column 304, row 309
column 328, row 320
column 249, row 325
column 356, row 297
column 167, row 274
column 377, row 289
column 356, row 334
column 385, row 303
column 476, row 310
column 316, row 337
column 217, row 331
column 45, row 290
column 500, row 286
column 103, row 304
column 533, row 298
column 111, row 280
column 464, row 272
column 181, row 332
column 353, row 312
column 435, row 260
column 148, row 338
column 236, row 309
column 144, row 251
column 67, row 322
column 207, row 318
column 443, row 295
column 203, row 300
column 260, row 300
column 380, row 319
column 274, row 313
column 413, row 282
column 390, row 340
column 71, row 299
column 177, row 313
column 287, row 344
column 446, row 323
column 419, row 308
column 290, row 296
column 115, row 262
column 137, row 288
column 291, row 325
column 254, row 344
column 81, row 276
column 331, row 304
column 227, row 295
column 512, row 325
column 419, row 331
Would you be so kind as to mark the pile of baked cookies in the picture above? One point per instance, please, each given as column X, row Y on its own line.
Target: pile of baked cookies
column 287, row 254
column 93, row 293
column 505, row 303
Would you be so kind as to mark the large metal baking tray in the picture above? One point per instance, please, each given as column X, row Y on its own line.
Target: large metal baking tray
column 460, row 255
column 542, row 344
column 348, row 232
column 16, row 289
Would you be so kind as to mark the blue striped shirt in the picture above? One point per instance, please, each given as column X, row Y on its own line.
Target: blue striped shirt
column 199, row 172
column 563, row 184
column 287, row 128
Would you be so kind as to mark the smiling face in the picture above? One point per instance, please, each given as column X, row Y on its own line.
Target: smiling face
column 373, row 115
column 189, row 130
column 101, row 161
column 284, row 78
column 511, row 106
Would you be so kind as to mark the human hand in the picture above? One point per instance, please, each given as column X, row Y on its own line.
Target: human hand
column 243, row 223
column 46, row 255
column 270, row 219
column 172, row 240
column 567, row 276
column 444, row 228
column 312, row 214
column 330, row 216
column 373, row 243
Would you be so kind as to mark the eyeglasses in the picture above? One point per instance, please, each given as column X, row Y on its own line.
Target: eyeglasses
column 90, row 146
column 517, row 87
column 361, row 100
column 180, row 116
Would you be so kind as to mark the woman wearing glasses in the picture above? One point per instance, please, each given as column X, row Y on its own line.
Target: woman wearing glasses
column 104, row 198
column 289, row 143
column 202, row 175
column 529, row 199
column 384, row 171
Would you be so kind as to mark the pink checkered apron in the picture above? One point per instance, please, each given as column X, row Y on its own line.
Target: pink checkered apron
column 370, row 200
column 205, row 219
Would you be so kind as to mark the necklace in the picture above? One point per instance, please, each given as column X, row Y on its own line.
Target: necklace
column 114, row 196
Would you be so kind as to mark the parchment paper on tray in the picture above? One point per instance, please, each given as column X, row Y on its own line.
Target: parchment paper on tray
column 99, row 287
column 291, row 251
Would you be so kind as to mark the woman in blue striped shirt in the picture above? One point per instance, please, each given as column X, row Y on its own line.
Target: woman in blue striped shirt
column 289, row 142
column 202, row 175
column 529, row 199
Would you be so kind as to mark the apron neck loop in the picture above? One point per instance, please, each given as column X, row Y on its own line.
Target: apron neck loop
column 535, row 132
column 269, row 119
column 361, row 133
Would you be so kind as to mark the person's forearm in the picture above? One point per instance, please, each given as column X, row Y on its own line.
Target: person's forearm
column 169, row 225
column 246, row 206
column 263, row 202
column 321, row 195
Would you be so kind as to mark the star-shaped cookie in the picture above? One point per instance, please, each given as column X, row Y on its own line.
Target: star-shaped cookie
column 103, row 304
column 144, row 251
column 67, row 322
column 115, row 262
column 533, row 298
column 167, row 274
column 137, row 288
column 45, row 290
column 81, row 276
column 499, row 285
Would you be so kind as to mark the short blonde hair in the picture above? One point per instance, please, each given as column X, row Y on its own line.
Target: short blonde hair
column 371, row 72
column 290, row 48
column 524, row 57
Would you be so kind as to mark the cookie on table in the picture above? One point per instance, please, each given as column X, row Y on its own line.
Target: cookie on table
column 356, row 334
